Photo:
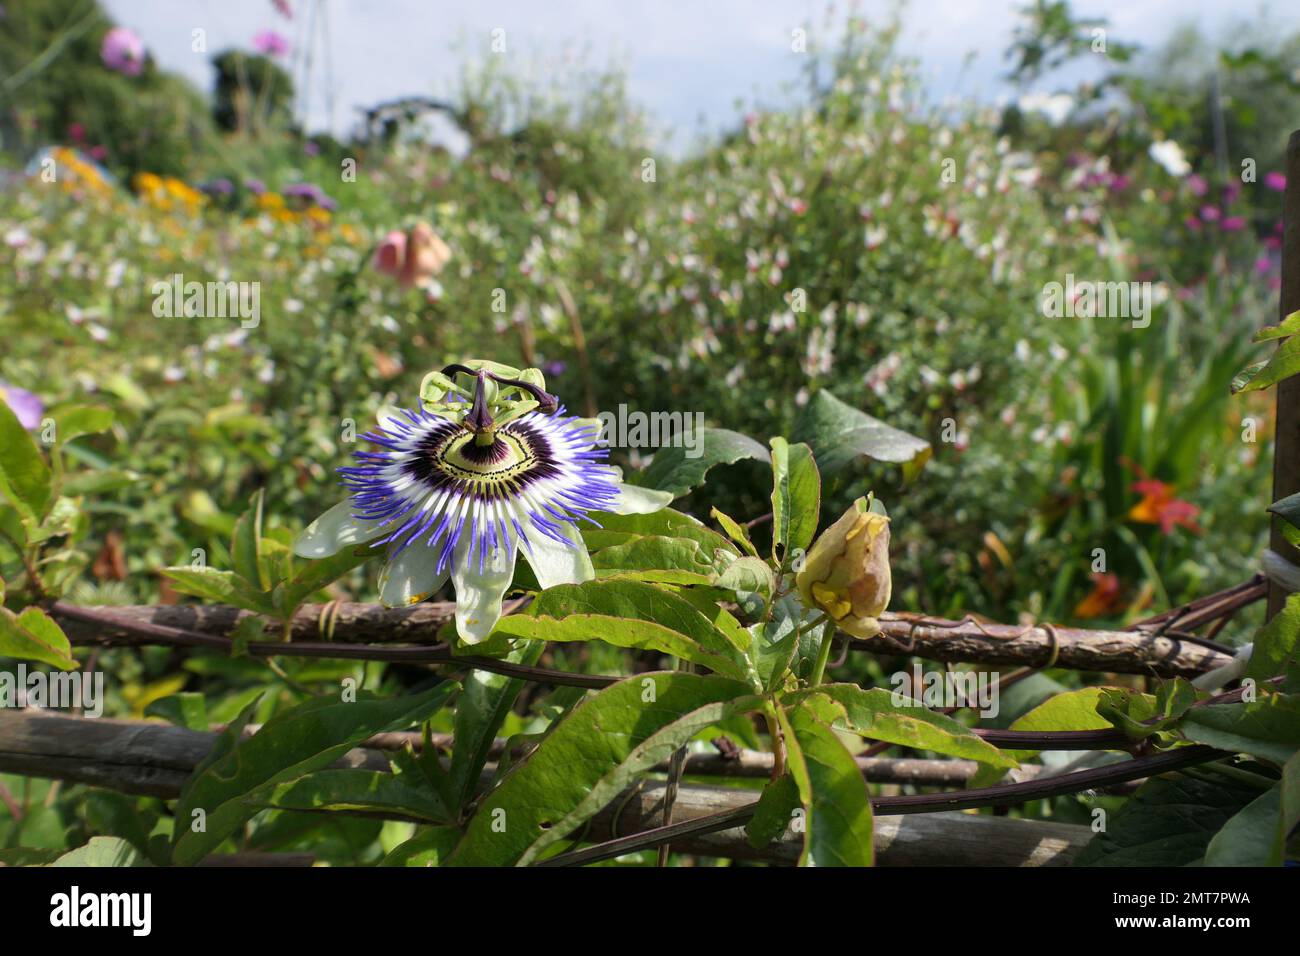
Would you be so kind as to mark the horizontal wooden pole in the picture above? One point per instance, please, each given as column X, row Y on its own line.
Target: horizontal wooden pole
column 155, row 759
column 1137, row 651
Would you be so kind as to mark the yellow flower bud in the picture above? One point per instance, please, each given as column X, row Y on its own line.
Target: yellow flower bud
column 846, row 572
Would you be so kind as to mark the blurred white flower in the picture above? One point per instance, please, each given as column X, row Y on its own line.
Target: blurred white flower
column 1170, row 155
column 1054, row 106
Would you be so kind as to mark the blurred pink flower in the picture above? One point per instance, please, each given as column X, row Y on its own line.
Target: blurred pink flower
column 282, row 7
column 270, row 43
column 1197, row 185
column 1210, row 213
column 123, row 51
column 27, row 408
column 1276, row 181
column 1233, row 224
column 391, row 253
column 1263, row 264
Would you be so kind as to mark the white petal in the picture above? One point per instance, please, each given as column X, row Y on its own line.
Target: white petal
column 333, row 531
column 412, row 576
column 479, row 593
column 554, row 563
column 633, row 500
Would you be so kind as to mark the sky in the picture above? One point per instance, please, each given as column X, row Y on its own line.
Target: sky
column 689, row 62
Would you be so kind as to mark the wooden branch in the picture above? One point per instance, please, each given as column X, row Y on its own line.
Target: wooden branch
column 1125, row 652
column 154, row 759
column 932, row 839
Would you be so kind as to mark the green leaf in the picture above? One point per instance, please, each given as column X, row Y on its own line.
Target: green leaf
column 625, row 614
column 796, row 498
column 772, row 643
column 99, row 482
column 620, row 529
column 484, row 702
column 873, row 713
column 102, row 851
column 1141, row 715
column 657, row 558
column 77, row 420
column 838, row 824
column 748, row 575
column 429, row 847
column 184, row 710
column 361, row 790
column 735, row 531
column 1283, row 363
column 1169, row 821
column 1275, row 643
column 1288, row 326
column 24, row 476
column 839, row 433
column 1268, row 728
column 295, row 742
column 674, row 470
column 246, row 545
column 589, row 757
column 775, row 810
column 1250, row 838
column 35, row 636
column 222, row 587
column 318, row 574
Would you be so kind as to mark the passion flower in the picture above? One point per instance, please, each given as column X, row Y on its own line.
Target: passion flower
column 464, row 483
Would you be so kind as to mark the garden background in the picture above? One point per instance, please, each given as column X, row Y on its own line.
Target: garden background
column 664, row 280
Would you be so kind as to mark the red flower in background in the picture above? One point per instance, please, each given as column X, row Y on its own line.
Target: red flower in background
column 1104, row 599
column 1159, row 506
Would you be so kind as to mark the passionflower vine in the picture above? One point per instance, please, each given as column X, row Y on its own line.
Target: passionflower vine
column 463, row 484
